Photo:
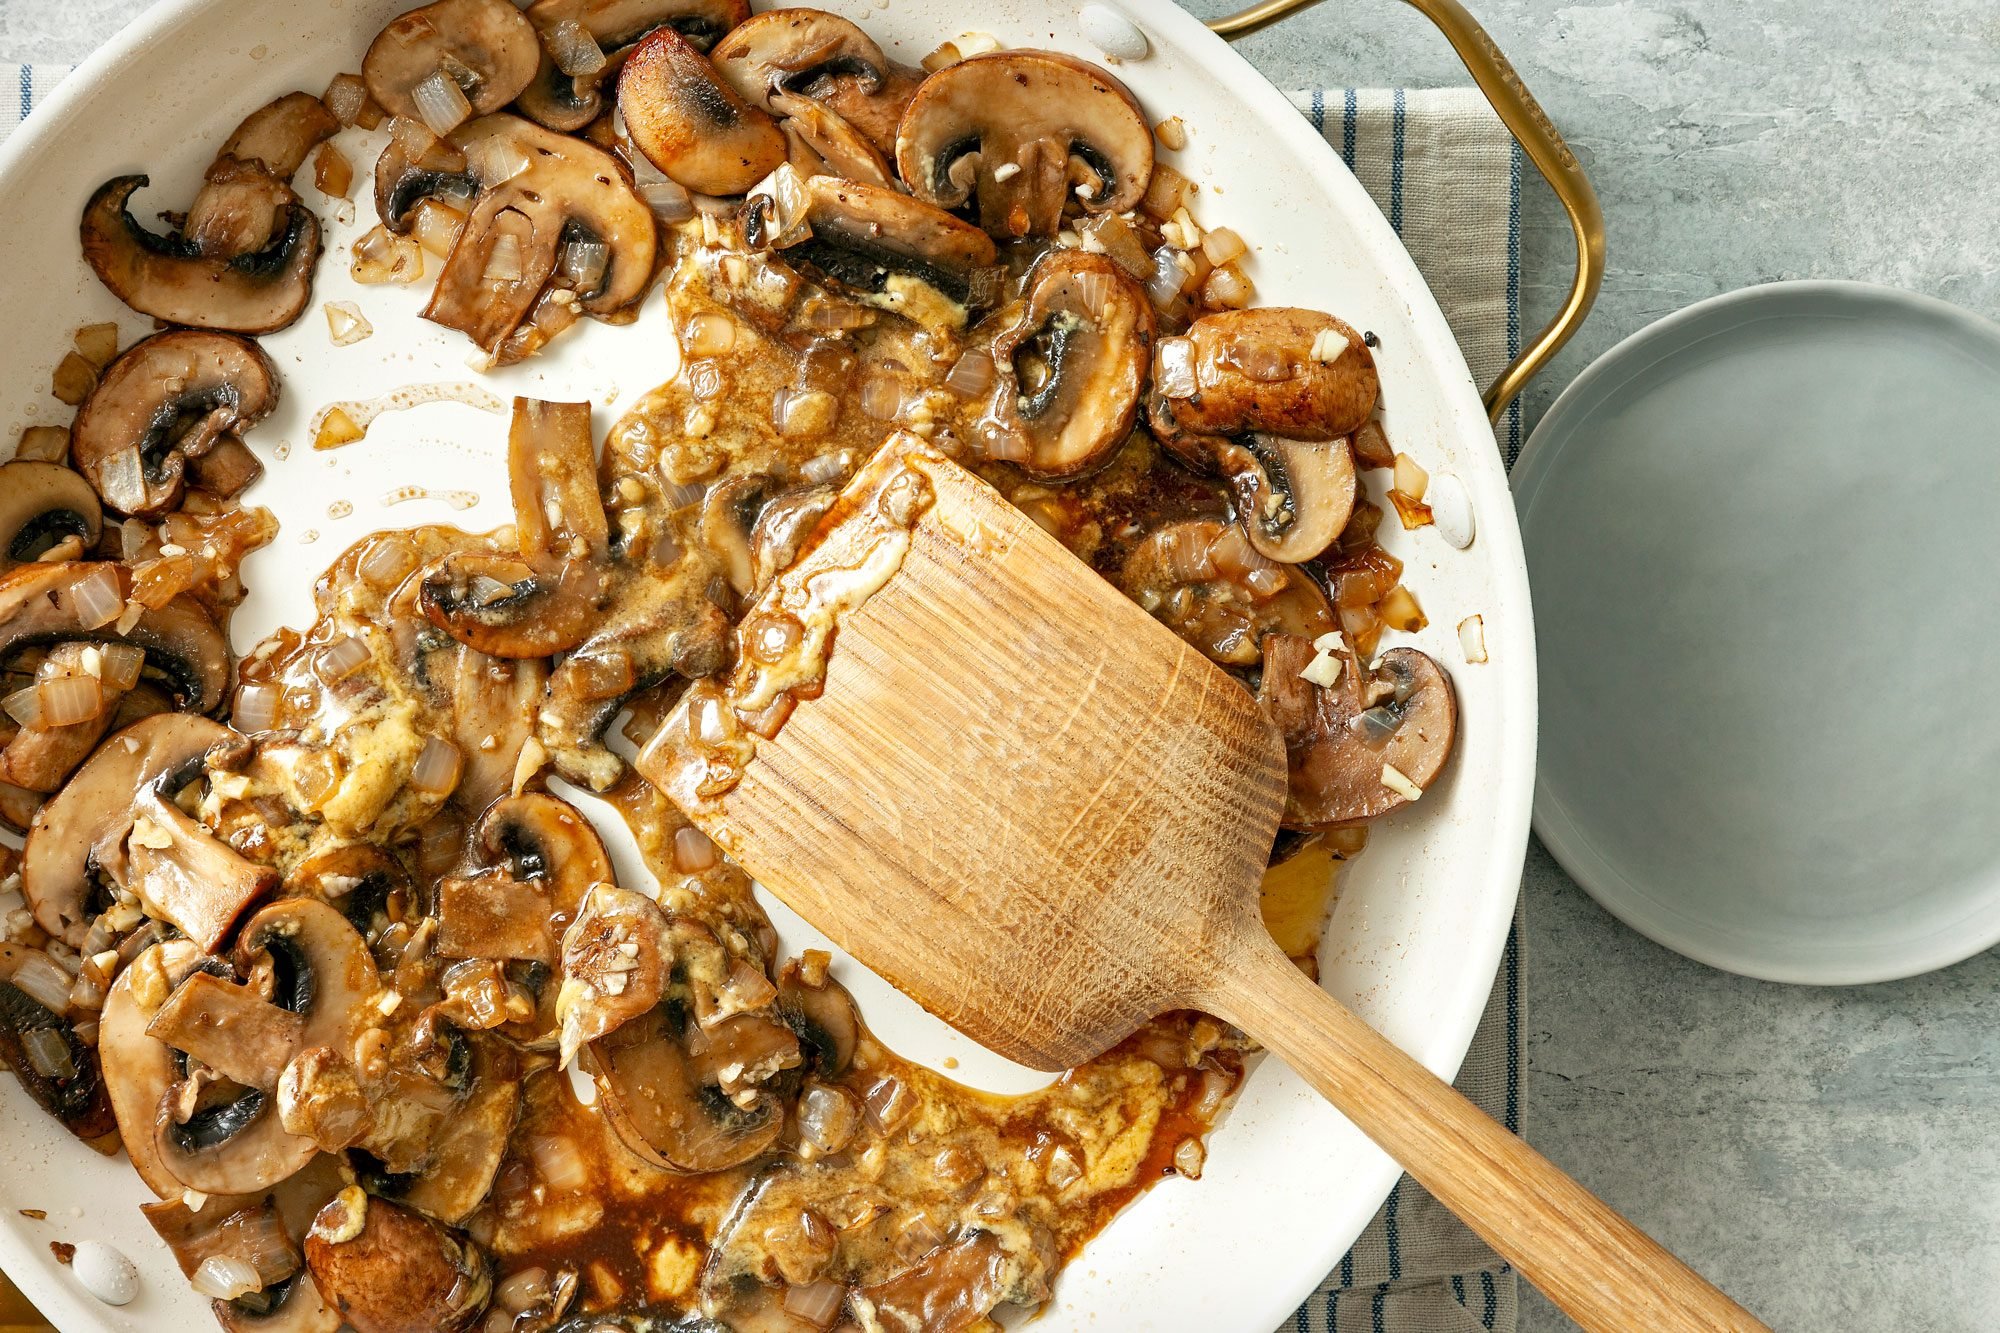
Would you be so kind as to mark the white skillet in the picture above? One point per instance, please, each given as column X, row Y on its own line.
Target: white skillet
column 1417, row 934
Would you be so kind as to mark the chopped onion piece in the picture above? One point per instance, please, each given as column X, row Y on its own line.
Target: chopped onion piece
column 496, row 160
column 68, row 700
column 1173, row 368
column 256, row 708
column 224, row 1277
column 1411, row 480
column 827, row 469
column 441, row 103
column 97, row 597
column 670, row 202
column 43, row 444
column 1172, row 134
column 1413, row 513
column 1371, row 446
column 1472, row 639
column 48, row 1051
column 505, row 264
column 1169, row 279
column 710, row 333
column 344, row 98
column 119, row 665
column 971, row 375
column 74, row 379
column 346, row 323
column 1189, row 1158
column 98, row 343
column 1228, row 288
column 1377, row 726
column 881, row 397
column 381, row 256
column 1399, row 610
column 1397, row 781
column 574, row 51
column 333, row 174
column 122, row 480
column 694, row 851
column 1166, row 192
column 437, row 226
column 817, row 1303
column 584, row 264
column 889, row 1102
column 43, row 980
column 1223, row 245
column 559, row 1162
column 342, row 658
column 438, row 767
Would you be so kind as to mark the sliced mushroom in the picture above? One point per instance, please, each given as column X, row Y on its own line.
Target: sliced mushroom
column 319, row 967
column 539, row 838
column 670, row 1106
column 231, row 1029
column 493, row 915
column 185, row 1131
column 238, row 211
column 166, row 401
column 615, row 958
column 169, row 278
column 691, row 124
column 825, row 1019
column 552, row 474
column 56, row 602
column 1070, row 366
column 1277, row 370
column 1204, row 580
column 828, row 145
column 493, row 708
column 960, row 1283
column 253, row 1233
column 485, row 47
column 226, row 470
column 42, row 505
column 1015, row 132
column 459, row 1170
column 388, row 1269
column 884, row 249
column 1362, row 746
column 369, row 886
column 822, row 58
column 276, row 137
column 321, row 1097
column 184, row 874
column 1293, row 497
column 503, row 607
column 82, row 831
column 53, row 1065
column 568, row 101
column 569, row 194
column 782, row 529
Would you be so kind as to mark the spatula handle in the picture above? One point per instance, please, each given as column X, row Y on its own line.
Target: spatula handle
column 1602, row 1271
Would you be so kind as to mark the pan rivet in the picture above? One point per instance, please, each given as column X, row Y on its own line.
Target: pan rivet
column 1113, row 34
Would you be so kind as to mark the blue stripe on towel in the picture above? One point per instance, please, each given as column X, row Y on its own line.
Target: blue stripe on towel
column 1513, row 450
column 27, row 90
column 1349, row 113
column 1396, row 163
column 1319, row 110
column 1376, row 1311
column 1492, row 1292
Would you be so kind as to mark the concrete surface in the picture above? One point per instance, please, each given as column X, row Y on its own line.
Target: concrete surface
column 1828, row 1157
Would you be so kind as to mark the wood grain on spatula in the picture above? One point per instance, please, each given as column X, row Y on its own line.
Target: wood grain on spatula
column 1029, row 805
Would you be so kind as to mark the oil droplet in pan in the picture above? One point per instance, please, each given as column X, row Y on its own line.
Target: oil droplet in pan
column 456, row 499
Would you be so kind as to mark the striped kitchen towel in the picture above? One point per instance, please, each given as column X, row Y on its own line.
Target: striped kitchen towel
column 1448, row 177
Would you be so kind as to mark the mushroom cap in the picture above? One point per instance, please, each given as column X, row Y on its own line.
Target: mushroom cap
column 40, row 505
column 392, row 1270
column 691, row 124
column 823, row 58
column 467, row 1154
column 1087, row 328
column 82, row 829
column 1336, row 759
column 321, row 966
column 569, row 191
column 1293, row 497
column 668, row 1106
column 544, row 839
column 38, row 605
column 167, row 278
column 570, row 102
column 1276, row 370
column 278, row 135
column 487, row 46
column 80, row 1101
column 1026, row 114
column 168, row 399
column 505, row 608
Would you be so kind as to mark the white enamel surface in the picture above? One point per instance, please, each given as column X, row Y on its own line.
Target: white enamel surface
column 1418, row 931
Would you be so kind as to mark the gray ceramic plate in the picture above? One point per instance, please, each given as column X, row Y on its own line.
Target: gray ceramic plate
column 1764, row 542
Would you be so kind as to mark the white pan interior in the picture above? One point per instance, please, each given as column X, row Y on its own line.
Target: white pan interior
column 1421, row 921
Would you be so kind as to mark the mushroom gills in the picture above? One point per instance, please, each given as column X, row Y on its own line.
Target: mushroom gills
column 74, row 1095
column 42, row 505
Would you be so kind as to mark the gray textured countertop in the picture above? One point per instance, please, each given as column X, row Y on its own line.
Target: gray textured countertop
column 1828, row 1157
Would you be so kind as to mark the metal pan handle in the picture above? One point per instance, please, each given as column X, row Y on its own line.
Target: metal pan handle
column 1538, row 138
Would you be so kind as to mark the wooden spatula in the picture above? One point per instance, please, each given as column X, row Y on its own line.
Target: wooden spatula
column 1033, row 808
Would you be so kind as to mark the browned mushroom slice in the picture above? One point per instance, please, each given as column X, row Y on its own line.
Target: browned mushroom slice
column 53, row 1065
column 184, row 874
column 41, row 758
column 691, row 124
column 884, row 249
column 231, row 1029
column 185, row 1129
column 249, row 1245
column 825, row 1019
column 317, row 965
column 166, row 401
column 822, row 58
column 504, row 607
column 1293, row 497
column 41, row 506
column 960, row 1283
column 615, row 957
column 782, row 529
column 226, row 470
column 277, row 136
column 1297, row 374
column 493, row 915
column 1365, row 744
column 367, row 884
column 388, row 1269
column 819, row 143
column 570, row 217
column 552, row 473
column 239, row 210
column 169, row 278
column 584, row 43
column 1017, row 132
column 458, row 1169
column 542, row 839
column 485, row 49
column 672, row 1108
column 1070, row 366
column 1204, row 580
column 82, row 831
column 79, row 601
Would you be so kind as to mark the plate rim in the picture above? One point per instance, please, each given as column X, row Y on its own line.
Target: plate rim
column 1606, row 883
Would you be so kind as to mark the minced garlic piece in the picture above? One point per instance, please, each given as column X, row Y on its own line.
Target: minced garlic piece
column 145, row 833
column 1394, row 779
column 1323, row 671
column 1328, row 346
